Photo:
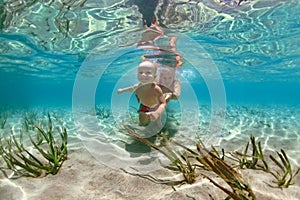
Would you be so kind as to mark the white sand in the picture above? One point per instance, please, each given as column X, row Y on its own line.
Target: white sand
column 84, row 177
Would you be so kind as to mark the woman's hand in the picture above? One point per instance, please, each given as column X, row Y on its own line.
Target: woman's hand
column 168, row 96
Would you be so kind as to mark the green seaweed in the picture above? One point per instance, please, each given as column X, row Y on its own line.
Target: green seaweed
column 209, row 160
column 184, row 162
column 240, row 188
column 212, row 161
column 256, row 160
column 29, row 120
column 102, row 112
column 48, row 155
column 3, row 119
column 286, row 176
column 179, row 160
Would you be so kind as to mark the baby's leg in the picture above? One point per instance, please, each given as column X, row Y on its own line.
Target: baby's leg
column 144, row 119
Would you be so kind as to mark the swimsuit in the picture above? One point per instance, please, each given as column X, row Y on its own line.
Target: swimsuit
column 144, row 108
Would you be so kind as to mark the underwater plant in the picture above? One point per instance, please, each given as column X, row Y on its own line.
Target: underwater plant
column 3, row 119
column 46, row 156
column 211, row 161
column 256, row 160
column 184, row 163
column 286, row 170
column 179, row 160
column 29, row 120
column 102, row 112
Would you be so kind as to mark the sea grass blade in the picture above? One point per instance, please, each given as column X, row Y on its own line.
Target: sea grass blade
column 266, row 166
column 277, row 162
column 42, row 132
column 33, row 157
column 50, row 124
column 246, row 149
column 283, row 160
column 44, row 154
column 14, row 161
column 16, row 143
column 287, row 161
column 215, row 151
column 186, row 148
column 29, row 163
column 292, row 177
column 24, row 163
column 229, row 175
column 223, row 154
column 52, row 149
column 39, row 138
column 231, row 194
column 5, row 156
column 254, row 153
column 146, row 142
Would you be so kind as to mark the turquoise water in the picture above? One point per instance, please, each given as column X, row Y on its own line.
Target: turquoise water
column 255, row 47
column 77, row 54
column 240, row 74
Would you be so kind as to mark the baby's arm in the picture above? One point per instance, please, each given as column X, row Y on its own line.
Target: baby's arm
column 128, row 89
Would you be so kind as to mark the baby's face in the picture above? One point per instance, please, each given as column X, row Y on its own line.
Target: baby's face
column 166, row 78
column 146, row 74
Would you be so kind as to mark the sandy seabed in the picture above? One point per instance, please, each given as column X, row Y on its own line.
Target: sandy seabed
column 83, row 177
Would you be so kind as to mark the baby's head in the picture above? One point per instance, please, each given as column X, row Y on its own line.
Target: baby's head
column 147, row 71
column 166, row 77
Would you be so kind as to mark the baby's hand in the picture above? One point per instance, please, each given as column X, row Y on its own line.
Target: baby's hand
column 152, row 115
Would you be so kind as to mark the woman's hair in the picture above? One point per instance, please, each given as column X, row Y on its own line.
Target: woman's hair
column 166, row 69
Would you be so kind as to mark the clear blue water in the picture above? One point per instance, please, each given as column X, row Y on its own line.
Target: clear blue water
column 243, row 58
column 254, row 46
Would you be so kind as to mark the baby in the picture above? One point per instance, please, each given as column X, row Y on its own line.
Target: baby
column 169, row 84
column 148, row 93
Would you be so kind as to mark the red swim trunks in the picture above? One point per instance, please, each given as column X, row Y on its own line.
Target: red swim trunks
column 144, row 108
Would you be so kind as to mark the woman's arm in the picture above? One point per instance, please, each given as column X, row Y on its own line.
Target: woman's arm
column 177, row 89
column 175, row 94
